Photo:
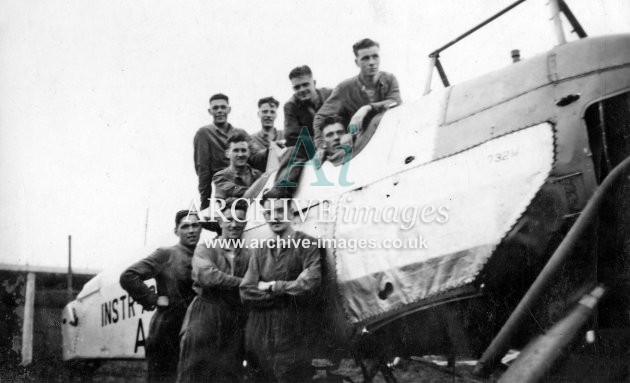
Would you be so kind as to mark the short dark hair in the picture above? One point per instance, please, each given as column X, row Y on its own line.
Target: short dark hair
column 362, row 44
column 266, row 198
column 268, row 100
column 276, row 194
column 239, row 204
column 300, row 71
column 237, row 136
column 219, row 96
column 330, row 120
column 182, row 214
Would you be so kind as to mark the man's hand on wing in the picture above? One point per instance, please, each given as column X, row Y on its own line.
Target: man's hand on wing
column 356, row 122
column 321, row 157
column 346, row 139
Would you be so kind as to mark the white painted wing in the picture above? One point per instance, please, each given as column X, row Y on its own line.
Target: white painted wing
column 479, row 194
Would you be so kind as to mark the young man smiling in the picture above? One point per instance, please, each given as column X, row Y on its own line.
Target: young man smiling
column 212, row 333
column 267, row 112
column 299, row 113
column 210, row 144
column 300, row 110
column 234, row 180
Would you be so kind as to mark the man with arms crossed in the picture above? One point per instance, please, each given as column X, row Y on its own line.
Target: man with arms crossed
column 212, row 333
column 170, row 266
column 278, row 288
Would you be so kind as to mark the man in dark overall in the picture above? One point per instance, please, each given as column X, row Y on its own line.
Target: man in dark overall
column 299, row 113
column 170, row 267
column 278, row 288
column 300, row 110
column 212, row 333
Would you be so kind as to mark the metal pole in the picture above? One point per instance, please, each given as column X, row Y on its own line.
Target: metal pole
column 434, row 56
column 577, row 27
column 27, row 325
column 69, row 267
column 427, row 81
column 500, row 344
column 536, row 360
column 440, row 69
column 437, row 51
column 146, row 226
column 557, row 22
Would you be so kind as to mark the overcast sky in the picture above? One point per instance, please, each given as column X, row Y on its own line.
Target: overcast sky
column 99, row 100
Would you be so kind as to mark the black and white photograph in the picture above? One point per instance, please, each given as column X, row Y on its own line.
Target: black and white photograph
column 323, row 191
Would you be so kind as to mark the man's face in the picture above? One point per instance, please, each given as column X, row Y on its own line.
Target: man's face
column 267, row 113
column 231, row 227
column 219, row 109
column 368, row 60
column 238, row 153
column 304, row 87
column 332, row 136
column 275, row 213
column 188, row 230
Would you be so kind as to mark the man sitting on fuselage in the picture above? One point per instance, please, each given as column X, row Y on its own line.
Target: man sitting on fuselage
column 333, row 133
column 234, row 180
column 358, row 99
column 267, row 112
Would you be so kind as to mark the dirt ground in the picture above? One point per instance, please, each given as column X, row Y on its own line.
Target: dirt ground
column 576, row 368
column 406, row 372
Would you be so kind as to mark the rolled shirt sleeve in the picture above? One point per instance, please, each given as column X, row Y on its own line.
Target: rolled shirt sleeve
column 349, row 96
column 393, row 95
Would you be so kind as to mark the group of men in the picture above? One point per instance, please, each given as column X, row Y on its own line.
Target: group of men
column 218, row 306
column 318, row 123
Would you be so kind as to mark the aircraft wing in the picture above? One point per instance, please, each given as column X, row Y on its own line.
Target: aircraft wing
column 466, row 203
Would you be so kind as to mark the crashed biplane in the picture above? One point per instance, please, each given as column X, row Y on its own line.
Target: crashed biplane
column 529, row 166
